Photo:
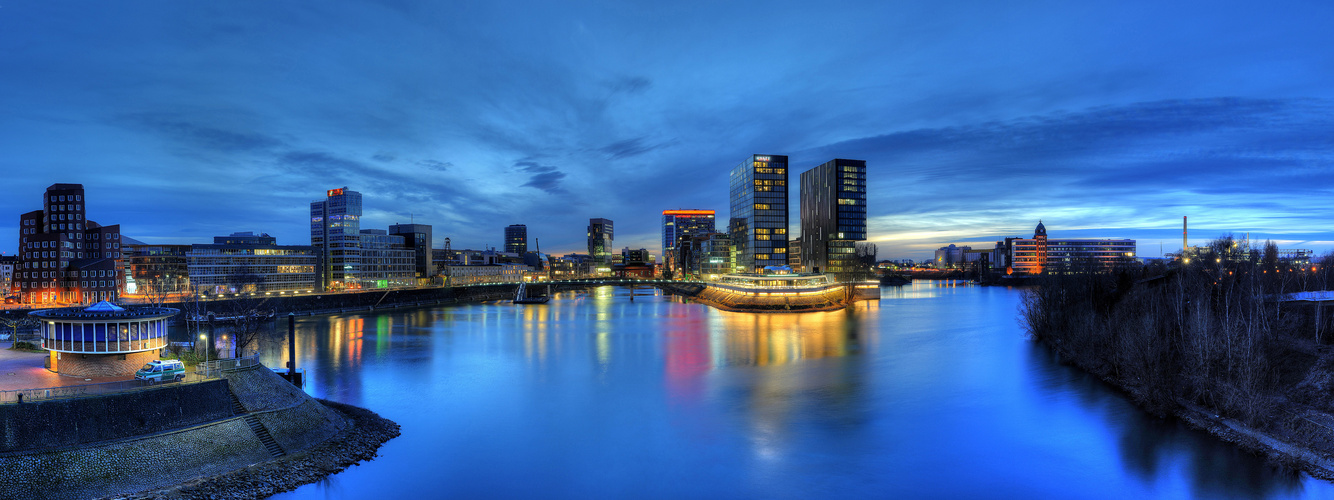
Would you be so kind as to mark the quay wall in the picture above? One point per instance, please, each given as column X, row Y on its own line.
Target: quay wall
column 157, row 458
column 70, row 422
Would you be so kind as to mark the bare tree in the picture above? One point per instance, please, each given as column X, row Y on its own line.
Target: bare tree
column 247, row 311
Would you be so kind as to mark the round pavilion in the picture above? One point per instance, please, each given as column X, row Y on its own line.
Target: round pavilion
column 103, row 340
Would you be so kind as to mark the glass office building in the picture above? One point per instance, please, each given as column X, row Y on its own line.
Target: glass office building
column 759, row 219
column 516, row 239
column 680, row 224
column 335, row 230
column 833, row 216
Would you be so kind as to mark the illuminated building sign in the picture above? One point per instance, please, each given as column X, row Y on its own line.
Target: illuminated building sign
column 762, row 158
column 336, row 192
column 687, row 212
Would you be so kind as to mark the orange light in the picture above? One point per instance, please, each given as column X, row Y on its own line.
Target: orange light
column 335, row 192
column 687, row 212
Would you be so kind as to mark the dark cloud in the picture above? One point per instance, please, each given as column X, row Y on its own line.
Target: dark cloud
column 629, row 147
column 545, row 177
column 439, row 166
column 384, row 156
column 632, row 85
column 547, row 181
column 322, row 162
column 204, row 137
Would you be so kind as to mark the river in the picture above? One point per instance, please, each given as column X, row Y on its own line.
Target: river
column 932, row 392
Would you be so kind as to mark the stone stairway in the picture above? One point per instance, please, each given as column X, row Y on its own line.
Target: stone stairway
column 258, row 428
column 264, row 437
column 237, row 408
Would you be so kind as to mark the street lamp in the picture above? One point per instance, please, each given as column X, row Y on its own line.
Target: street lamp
column 204, row 337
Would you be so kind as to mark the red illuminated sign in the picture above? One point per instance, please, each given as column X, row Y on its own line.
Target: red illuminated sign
column 336, row 192
column 687, row 212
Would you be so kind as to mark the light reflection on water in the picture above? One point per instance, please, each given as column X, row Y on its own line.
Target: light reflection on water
column 932, row 392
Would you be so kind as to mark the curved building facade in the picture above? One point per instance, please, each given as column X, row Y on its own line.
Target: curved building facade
column 103, row 340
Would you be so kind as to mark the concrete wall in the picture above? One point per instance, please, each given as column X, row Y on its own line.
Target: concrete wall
column 131, row 465
column 71, row 422
column 103, row 365
column 296, row 421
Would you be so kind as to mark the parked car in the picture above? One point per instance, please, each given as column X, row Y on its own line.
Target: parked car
column 161, row 370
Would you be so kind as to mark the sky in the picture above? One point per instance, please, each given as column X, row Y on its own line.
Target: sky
column 188, row 120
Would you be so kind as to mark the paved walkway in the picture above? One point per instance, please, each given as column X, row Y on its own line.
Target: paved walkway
column 27, row 370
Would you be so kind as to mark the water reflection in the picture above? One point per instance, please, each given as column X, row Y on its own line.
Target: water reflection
column 1154, row 449
column 933, row 392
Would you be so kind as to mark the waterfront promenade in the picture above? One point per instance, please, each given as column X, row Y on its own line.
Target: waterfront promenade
column 27, row 370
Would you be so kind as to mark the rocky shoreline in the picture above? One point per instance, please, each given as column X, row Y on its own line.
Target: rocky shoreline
column 359, row 442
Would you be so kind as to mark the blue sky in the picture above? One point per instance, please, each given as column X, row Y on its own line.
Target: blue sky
column 186, row 120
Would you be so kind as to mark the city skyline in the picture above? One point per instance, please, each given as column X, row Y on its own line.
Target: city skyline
column 188, row 121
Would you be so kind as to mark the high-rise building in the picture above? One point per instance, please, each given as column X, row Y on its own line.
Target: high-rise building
column 516, row 239
column 677, row 225
column 65, row 258
column 335, row 230
column 7, row 265
column 600, row 236
column 418, row 238
column 759, row 218
column 833, row 215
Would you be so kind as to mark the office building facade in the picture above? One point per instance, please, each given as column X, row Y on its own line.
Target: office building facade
column 677, row 225
column 759, row 220
column 516, row 239
column 833, row 216
column 65, row 258
column 1040, row 254
column 249, row 263
column 417, row 237
column 601, row 235
column 335, row 230
column 157, row 271
column 386, row 261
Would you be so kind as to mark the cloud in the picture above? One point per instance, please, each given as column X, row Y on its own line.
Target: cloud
column 630, row 147
column 384, row 156
column 439, row 166
column 319, row 161
column 545, row 177
column 1238, row 164
column 632, row 85
column 200, row 136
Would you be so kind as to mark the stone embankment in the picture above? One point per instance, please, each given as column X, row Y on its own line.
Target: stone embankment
column 358, row 443
column 178, row 433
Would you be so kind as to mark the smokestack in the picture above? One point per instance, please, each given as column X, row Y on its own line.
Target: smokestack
column 1183, row 236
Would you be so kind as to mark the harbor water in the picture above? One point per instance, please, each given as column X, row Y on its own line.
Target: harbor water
column 931, row 392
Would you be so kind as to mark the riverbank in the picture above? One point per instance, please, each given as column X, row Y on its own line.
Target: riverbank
column 1280, row 449
column 359, row 442
column 1207, row 343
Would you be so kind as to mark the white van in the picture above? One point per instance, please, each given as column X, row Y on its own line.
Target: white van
column 161, row 370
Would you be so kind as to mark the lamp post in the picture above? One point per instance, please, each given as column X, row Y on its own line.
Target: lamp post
column 204, row 337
